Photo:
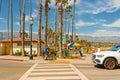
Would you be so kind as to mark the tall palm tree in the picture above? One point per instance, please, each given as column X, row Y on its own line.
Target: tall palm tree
column 73, row 23
column 60, row 25
column 20, row 10
column 55, row 25
column 46, row 20
column 11, row 27
column 23, row 26
column 68, row 11
column 39, row 27
column 8, row 19
column 62, row 2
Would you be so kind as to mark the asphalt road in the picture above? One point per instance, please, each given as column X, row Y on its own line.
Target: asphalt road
column 13, row 70
column 98, row 73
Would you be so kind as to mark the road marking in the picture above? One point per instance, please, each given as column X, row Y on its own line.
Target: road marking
column 16, row 69
column 51, row 72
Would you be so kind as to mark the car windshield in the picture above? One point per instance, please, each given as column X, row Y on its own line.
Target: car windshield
column 115, row 48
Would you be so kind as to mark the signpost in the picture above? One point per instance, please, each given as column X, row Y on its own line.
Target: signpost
column 64, row 39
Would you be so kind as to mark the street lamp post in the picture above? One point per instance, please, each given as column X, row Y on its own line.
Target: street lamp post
column 31, row 23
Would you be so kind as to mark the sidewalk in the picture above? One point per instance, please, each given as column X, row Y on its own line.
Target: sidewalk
column 22, row 58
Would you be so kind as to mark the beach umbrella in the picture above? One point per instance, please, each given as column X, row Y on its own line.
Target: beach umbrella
column 73, row 44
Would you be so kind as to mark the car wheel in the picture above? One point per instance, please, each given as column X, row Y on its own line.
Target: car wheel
column 110, row 63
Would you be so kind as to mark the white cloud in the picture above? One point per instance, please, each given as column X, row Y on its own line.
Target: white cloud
column 114, row 24
column 100, row 33
column 17, row 23
column 105, row 33
column 99, row 6
column 1, row 18
column 27, row 18
column 82, row 23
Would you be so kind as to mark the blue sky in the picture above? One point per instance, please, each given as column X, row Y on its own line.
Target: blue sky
column 93, row 17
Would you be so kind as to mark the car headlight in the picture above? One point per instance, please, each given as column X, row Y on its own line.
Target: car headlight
column 100, row 56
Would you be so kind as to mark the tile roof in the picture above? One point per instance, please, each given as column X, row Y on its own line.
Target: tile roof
column 18, row 40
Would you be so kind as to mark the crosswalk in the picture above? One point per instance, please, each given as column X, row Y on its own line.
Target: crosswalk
column 47, row 71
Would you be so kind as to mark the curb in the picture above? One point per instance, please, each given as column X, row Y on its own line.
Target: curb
column 11, row 59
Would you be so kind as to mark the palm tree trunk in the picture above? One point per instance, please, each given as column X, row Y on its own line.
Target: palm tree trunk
column 11, row 27
column 39, row 28
column 46, row 21
column 20, row 10
column 23, row 27
column 8, row 23
column 55, row 26
column 73, row 23
column 60, row 24
column 68, row 26
column 74, row 19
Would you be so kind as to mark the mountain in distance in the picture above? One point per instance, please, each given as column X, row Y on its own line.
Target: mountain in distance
column 114, row 39
column 100, row 39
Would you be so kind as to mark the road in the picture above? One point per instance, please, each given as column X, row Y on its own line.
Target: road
column 97, row 73
column 13, row 70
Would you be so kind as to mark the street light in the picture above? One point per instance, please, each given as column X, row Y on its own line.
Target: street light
column 31, row 23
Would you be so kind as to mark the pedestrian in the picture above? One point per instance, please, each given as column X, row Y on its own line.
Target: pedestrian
column 46, row 53
column 81, row 52
column 99, row 49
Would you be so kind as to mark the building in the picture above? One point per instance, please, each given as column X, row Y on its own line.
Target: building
column 17, row 45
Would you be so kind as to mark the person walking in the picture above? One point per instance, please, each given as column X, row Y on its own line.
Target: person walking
column 46, row 53
column 81, row 51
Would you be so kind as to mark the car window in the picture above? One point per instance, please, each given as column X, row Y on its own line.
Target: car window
column 115, row 48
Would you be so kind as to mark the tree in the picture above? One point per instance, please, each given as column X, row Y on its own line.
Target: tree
column 8, row 19
column 46, row 20
column 39, row 27
column 55, row 25
column 11, row 27
column 20, row 10
column 23, row 26
column 68, row 11
column 73, row 23
column 62, row 2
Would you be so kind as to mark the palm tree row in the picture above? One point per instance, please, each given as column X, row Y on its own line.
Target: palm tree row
column 57, row 33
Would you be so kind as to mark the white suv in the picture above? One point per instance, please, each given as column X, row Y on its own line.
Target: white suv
column 109, row 59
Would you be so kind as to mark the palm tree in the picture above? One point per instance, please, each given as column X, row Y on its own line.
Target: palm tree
column 68, row 11
column 8, row 19
column 46, row 20
column 39, row 27
column 11, row 27
column 20, row 10
column 60, row 25
column 62, row 2
column 23, row 26
column 73, row 23
column 55, row 25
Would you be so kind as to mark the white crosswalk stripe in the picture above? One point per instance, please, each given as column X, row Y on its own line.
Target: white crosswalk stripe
column 48, row 71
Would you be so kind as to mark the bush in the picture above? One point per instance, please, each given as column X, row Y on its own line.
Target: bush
column 19, row 53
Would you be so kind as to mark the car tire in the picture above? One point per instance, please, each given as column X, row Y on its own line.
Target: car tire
column 110, row 63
